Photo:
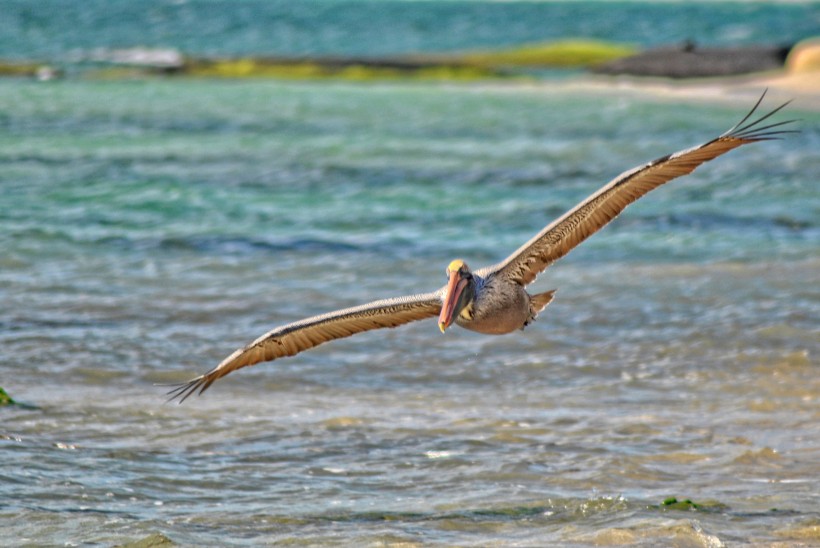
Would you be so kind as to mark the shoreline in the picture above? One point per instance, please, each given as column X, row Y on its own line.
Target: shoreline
column 687, row 72
column 801, row 88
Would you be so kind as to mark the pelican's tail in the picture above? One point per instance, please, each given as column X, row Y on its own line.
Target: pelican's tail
column 539, row 302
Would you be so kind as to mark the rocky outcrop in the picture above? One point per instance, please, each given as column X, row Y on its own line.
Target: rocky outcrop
column 692, row 61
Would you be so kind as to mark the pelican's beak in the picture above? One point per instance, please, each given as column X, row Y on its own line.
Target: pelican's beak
column 455, row 288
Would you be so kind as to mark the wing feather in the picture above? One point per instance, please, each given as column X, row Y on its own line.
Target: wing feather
column 290, row 339
column 575, row 226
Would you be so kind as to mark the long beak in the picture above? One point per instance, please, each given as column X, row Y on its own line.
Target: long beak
column 455, row 287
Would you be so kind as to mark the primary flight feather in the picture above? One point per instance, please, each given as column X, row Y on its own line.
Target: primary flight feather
column 492, row 299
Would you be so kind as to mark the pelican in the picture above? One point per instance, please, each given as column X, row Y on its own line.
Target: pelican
column 493, row 299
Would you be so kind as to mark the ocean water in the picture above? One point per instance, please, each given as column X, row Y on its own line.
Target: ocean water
column 65, row 31
column 150, row 227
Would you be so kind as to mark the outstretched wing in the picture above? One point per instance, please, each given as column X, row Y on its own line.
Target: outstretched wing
column 578, row 224
column 290, row 339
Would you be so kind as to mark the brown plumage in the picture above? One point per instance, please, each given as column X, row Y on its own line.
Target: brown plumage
column 492, row 299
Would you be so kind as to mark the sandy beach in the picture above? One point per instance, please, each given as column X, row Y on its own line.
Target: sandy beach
column 802, row 88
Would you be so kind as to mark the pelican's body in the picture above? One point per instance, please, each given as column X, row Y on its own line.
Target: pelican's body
column 492, row 300
column 493, row 305
column 498, row 307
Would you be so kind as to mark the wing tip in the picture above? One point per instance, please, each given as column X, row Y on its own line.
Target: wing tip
column 753, row 131
column 182, row 391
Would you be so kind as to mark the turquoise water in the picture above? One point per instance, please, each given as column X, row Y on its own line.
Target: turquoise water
column 148, row 228
column 64, row 30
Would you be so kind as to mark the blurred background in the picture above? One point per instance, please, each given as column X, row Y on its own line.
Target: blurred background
column 180, row 35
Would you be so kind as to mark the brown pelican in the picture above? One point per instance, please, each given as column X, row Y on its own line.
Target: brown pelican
column 491, row 299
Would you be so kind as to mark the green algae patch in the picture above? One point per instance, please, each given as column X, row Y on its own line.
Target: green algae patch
column 5, row 399
column 431, row 72
column 467, row 66
column 560, row 54
column 344, row 69
column 252, row 68
column 673, row 503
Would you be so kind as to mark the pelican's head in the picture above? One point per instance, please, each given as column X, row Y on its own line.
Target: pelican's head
column 459, row 293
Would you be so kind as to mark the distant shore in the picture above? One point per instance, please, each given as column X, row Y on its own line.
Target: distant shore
column 505, row 63
column 683, row 71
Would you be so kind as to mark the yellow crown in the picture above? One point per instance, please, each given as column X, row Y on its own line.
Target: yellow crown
column 455, row 265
